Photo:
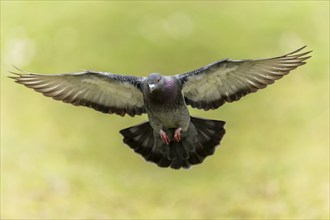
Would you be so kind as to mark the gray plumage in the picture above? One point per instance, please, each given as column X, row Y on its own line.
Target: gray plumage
column 171, row 137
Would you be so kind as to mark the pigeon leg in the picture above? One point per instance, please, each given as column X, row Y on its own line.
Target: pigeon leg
column 177, row 134
column 164, row 137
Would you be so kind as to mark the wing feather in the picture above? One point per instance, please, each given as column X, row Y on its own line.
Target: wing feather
column 105, row 92
column 228, row 80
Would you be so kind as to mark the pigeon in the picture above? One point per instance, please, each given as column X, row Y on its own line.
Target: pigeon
column 171, row 137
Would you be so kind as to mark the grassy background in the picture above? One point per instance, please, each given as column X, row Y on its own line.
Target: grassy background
column 65, row 162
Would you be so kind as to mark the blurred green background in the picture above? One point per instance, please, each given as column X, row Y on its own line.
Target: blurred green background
column 60, row 162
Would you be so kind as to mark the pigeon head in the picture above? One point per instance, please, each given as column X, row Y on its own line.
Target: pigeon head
column 155, row 82
column 160, row 89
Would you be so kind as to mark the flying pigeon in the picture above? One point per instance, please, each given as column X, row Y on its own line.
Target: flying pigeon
column 171, row 137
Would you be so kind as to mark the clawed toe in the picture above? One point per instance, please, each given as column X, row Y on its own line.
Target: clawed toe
column 177, row 134
column 164, row 137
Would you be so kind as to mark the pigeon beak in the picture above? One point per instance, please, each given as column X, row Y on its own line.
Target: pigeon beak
column 151, row 87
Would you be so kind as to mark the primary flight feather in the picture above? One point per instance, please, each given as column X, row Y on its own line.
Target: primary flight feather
column 171, row 137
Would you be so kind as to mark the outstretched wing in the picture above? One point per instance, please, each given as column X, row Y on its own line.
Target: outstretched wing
column 228, row 80
column 105, row 92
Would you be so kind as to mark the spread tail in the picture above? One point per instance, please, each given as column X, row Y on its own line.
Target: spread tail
column 198, row 142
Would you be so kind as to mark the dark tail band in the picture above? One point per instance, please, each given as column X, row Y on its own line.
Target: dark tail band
column 198, row 142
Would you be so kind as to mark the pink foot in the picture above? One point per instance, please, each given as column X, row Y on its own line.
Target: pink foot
column 177, row 134
column 164, row 137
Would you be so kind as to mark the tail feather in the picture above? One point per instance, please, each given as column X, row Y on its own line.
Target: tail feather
column 136, row 142
column 195, row 158
column 198, row 142
column 163, row 162
column 177, row 151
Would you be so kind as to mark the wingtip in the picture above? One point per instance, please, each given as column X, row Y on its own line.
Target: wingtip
column 18, row 69
column 11, row 72
column 305, row 58
column 298, row 54
column 18, row 74
column 296, row 51
column 13, row 77
column 16, row 77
